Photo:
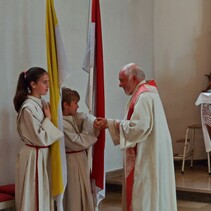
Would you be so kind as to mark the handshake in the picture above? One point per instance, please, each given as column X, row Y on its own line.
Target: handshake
column 100, row 123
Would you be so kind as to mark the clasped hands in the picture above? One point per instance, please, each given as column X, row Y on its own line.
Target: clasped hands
column 100, row 123
column 46, row 109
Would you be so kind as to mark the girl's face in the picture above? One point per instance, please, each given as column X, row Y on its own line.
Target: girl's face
column 71, row 108
column 41, row 87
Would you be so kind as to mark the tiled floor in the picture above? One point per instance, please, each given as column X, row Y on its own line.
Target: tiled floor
column 194, row 181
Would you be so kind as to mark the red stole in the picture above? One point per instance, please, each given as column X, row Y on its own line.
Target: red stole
column 131, row 152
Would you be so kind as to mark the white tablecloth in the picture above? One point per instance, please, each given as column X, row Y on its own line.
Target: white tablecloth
column 204, row 99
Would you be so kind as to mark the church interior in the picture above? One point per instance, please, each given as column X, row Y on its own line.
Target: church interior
column 169, row 39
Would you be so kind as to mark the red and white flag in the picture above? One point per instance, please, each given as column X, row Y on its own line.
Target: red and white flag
column 95, row 100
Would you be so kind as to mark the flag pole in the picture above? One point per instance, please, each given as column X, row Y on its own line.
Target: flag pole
column 92, row 60
column 91, row 81
column 90, row 111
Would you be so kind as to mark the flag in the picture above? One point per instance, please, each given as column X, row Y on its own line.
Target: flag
column 95, row 100
column 58, row 71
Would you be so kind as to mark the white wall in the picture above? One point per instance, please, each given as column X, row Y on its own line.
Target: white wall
column 22, row 46
column 128, row 37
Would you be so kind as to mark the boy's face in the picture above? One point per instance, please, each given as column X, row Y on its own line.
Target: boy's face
column 72, row 107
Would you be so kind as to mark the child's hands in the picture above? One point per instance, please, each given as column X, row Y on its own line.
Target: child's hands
column 47, row 110
column 100, row 123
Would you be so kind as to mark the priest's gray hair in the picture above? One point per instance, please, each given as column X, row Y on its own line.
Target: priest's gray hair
column 133, row 69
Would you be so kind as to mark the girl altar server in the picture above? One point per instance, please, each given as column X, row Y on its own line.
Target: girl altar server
column 37, row 132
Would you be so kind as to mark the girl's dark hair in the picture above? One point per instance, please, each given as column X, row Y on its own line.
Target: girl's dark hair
column 24, row 85
column 69, row 95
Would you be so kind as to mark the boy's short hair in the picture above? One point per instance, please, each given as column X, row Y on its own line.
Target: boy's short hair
column 69, row 95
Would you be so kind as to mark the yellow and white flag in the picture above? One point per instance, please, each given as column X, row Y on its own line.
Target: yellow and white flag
column 58, row 71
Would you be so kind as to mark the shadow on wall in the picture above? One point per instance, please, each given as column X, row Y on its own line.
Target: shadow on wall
column 203, row 47
column 185, row 62
column 9, row 146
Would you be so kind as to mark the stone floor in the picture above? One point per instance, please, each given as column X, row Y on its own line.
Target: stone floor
column 193, row 190
column 112, row 202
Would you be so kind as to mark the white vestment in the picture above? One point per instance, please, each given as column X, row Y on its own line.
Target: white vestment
column 35, row 131
column 154, row 177
column 79, row 136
